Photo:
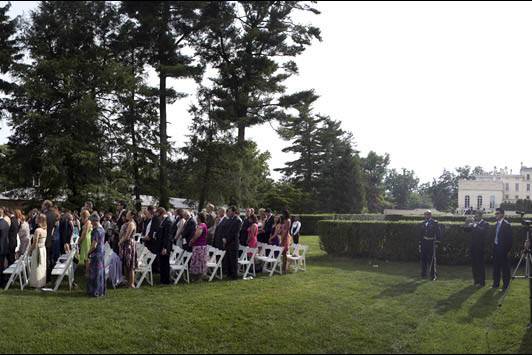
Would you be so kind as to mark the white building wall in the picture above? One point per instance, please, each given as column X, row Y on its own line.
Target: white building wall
column 503, row 186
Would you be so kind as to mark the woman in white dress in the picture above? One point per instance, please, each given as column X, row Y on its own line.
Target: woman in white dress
column 38, row 254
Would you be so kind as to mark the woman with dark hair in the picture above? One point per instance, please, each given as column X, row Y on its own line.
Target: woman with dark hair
column 275, row 237
column 128, row 249
column 23, row 233
column 286, row 223
column 200, row 249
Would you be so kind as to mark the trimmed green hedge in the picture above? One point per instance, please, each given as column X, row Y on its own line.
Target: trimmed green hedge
column 309, row 222
column 398, row 241
column 394, row 217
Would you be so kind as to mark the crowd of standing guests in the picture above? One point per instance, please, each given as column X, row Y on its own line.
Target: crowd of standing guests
column 54, row 231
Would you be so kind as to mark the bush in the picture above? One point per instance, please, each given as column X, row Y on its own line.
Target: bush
column 309, row 222
column 398, row 241
column 458, row 219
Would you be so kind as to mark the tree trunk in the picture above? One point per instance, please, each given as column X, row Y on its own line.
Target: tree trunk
column 241, row 133
column 163, row 179
column 138, row 205
column 163, row 192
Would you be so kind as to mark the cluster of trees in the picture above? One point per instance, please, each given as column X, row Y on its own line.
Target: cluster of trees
column 405, row 191
column 86, row 123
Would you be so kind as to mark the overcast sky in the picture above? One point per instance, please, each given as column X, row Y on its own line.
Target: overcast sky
column 436, row 85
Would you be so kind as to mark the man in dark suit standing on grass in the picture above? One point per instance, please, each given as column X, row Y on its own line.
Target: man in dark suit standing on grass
column 231, row 242
column 502, row 245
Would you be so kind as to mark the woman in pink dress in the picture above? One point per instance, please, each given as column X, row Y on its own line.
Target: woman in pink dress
column 253, row 232
column 285, row 237
column 200, row 249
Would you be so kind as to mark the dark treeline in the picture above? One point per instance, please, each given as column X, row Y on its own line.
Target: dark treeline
column 87, row 124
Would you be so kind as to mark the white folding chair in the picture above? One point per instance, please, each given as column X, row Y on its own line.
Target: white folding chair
column 181, row 268
column 264, row 252
column 145, row 268
column 246, row 262
column 299, row 261
column 64, row 267
column 176, row 255
column 272, row 262
column 214, row 265
column 18, row 270
column 107, row 263
column 141, row 250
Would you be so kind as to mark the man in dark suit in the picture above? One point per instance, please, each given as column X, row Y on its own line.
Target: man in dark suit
column 268, row 226
column 245, row 226
column 150, row 240
column 479, row 230
column 13, row 232
column 219, row 232
column 188, row 230
column 430, row 234
column 232, row 233
column 66, row 230
column 502, row 245
column 164, row 241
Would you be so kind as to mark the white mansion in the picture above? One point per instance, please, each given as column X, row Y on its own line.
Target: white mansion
column 489, row 190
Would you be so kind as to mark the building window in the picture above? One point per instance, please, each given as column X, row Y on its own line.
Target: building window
column 528, row 197
column 507, row 187
column 467, row 203
column 528, row 187
column 517, row 187
column 479, row 202
column 528, row 176
column 492, row 202
column 507, row 197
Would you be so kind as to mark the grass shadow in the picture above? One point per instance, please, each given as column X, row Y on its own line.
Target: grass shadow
column 526, row 343
column 401, row 289
column 394, row 268
column 486, row 305
column 455, row 301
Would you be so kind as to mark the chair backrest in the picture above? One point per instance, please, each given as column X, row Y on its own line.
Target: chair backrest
column 186, row 258
column 148, row 258
column 303, row 249
column 278, row 249
column 108, row 254
column 253, row 252
column 137, row 237
column 219, row 257
column 176, row 255
column 243, row 253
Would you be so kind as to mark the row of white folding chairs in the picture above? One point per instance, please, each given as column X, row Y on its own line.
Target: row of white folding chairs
column 271, row 257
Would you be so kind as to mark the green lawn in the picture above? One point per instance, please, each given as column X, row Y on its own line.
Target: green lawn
column 338, row 306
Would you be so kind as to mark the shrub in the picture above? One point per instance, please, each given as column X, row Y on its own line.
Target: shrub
column 398, row 241
column 309, row 222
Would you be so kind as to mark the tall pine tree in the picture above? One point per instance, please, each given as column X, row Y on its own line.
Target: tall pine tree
column 243, row 41
column 165, row 30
